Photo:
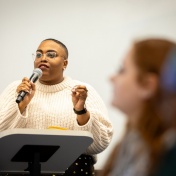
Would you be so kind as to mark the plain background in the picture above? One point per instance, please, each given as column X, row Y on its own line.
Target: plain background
column 97, row 33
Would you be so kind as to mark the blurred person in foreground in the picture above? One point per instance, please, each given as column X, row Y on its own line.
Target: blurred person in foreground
column 58, row 100
column 145, row 90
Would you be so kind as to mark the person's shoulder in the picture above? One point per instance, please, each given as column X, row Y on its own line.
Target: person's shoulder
column 11, row 87
column 14, row 84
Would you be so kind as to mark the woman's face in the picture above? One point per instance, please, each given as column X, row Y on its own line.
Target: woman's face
column 126, row 89
column 51, row 60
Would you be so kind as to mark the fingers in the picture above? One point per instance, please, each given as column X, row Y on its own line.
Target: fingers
column 80, row 91
column 80, row 88
column 26, row 86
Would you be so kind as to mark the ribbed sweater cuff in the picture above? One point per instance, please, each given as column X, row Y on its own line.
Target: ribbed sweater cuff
column 86, row 127
column 24, row 114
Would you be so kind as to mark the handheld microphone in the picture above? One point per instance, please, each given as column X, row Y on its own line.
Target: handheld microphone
column 37, row 73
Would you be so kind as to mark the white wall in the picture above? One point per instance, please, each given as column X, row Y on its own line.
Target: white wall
column 96, row 32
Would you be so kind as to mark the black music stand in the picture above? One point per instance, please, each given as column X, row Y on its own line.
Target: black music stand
column 41, row 151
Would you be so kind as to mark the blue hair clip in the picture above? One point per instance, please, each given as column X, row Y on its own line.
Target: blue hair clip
column 168, row 73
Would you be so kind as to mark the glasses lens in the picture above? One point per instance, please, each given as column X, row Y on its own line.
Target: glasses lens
column 38, row 55
column 51, row 55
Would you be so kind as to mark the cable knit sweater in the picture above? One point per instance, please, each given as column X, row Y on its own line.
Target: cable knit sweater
column 52, row 106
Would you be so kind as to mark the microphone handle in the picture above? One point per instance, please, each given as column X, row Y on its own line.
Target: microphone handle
column 21, row 96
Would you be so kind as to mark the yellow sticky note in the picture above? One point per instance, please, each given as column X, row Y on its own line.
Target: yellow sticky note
column 56, row 128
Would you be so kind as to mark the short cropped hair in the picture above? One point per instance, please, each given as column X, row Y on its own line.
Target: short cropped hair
column 61, row 44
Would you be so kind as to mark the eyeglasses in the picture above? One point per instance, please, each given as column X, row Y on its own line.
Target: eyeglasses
column 49, row 55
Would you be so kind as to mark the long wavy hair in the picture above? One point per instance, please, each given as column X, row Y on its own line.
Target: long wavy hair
column 158, row 57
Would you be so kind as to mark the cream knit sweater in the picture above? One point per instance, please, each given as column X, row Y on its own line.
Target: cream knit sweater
column 52, row 106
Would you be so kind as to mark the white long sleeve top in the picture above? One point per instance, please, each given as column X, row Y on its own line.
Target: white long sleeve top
column 52, row 106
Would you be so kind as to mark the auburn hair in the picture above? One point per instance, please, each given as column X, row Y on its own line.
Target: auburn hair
column 150, row 57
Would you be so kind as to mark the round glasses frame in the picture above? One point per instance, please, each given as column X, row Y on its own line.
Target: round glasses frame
column 48, row 55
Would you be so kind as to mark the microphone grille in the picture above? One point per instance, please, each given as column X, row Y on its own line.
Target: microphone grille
column 38, row 71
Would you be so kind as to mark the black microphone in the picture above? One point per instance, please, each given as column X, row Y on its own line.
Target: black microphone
column 37, row 73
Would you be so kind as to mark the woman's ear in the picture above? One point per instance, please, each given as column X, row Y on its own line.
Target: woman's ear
column 65, row 64
column 149, row 86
